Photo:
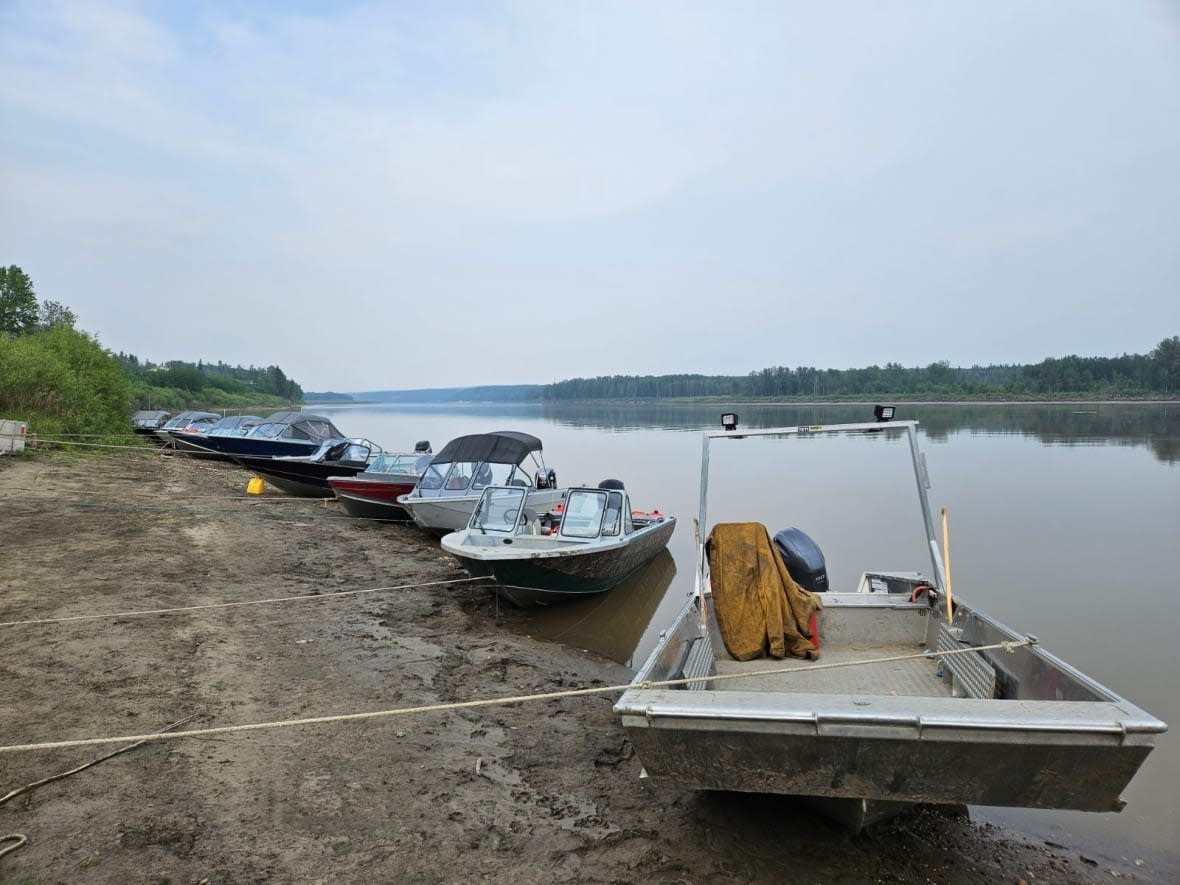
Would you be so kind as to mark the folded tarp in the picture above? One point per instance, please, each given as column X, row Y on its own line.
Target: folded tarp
column 760, row 609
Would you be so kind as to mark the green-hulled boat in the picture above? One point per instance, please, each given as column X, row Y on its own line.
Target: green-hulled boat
column 586, row 545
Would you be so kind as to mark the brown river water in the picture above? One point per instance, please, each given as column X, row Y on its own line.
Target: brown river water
column 1064, row 522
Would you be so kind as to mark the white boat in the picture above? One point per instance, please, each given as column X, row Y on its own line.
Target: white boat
column 449, row 488
column 919, row 710
column 536, row 556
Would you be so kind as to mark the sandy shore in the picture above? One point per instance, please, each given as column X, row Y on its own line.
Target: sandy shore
column 545, row 792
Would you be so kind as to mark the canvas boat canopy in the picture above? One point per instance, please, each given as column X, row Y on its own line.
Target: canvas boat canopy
column 501, row 447
column 186, row 418
column 297, row 425
column 149, row 418
column 235, row 425
column 469, row 464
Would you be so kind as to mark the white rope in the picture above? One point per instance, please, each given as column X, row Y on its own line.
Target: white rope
column 146, row 448
column 189, row 608
column 28, row 788
column 19, row 838
column 248, row 498
column 1009, row 646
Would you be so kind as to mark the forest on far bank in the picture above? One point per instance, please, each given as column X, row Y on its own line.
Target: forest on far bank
column 61, row 380
column 1130, row 376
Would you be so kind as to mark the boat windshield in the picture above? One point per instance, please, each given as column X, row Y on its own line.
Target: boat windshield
column 406, row 464
column 469, row 477
column 584, row 509
column 498, row 509
column 267, row 431
column 345, row 451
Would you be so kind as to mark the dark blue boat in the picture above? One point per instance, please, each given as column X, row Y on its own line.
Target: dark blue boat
column 187, row 439
column 283, row 434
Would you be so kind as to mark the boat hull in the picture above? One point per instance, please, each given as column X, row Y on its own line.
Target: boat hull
column 183, row 442
column 246, row 446
column 303, row 479
column 443, row 515
column 372, row 499
column 531, row 580
column 1061, row 740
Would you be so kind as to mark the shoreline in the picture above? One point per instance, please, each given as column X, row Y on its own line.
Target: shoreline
column 527, row 793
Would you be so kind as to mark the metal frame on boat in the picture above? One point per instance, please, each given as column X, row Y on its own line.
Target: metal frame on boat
column 1012, row 726
column 586, row 545
column 447, row 491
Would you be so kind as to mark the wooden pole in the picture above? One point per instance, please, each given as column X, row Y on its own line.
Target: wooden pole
column 946, row 564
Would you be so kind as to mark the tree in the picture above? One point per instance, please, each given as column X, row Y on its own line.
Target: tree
column 1166, row 358
column 18, row 302
column 55, row 314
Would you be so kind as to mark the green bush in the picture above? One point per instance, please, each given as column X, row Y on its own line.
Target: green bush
column 62, row 381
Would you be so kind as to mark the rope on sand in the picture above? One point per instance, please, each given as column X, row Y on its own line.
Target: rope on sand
column 190, row 511
column 18, row 838
column 147, row 448
column 190, row 608
column 1009, row 646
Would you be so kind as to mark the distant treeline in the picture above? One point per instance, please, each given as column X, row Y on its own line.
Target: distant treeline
column 177, row 383
column 1129, row 375
column 494, row 393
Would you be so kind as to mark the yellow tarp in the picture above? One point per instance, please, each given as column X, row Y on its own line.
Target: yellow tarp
column 760, row 609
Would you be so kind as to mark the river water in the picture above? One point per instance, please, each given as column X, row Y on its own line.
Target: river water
column 1064, row 522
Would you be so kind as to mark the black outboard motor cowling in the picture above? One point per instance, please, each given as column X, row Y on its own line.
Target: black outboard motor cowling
column 547, row 480
column 803, row 559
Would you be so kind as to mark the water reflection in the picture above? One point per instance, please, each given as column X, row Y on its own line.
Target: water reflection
column 610, row 624
column 1155, row 426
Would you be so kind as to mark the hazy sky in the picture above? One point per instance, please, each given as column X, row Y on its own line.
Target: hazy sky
column 385, row 195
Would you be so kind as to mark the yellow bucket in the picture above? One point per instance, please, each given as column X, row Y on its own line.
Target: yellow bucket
column 255, row 486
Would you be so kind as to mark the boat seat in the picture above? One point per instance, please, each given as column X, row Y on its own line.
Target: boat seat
column 531, row 524
column 970, row 674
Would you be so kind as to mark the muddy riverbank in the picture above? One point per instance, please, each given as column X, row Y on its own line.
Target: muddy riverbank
column 529, row 793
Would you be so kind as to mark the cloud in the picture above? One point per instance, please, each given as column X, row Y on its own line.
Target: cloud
column 823, row 170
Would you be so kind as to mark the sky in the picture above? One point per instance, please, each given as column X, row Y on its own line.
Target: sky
column 403, row 195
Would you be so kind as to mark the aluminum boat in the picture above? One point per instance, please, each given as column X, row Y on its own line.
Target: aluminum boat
column 923, row 709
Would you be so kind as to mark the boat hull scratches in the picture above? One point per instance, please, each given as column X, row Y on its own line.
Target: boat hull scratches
column 1030, row 775
column 371, row 508
column 529, row 582
column 193, row 450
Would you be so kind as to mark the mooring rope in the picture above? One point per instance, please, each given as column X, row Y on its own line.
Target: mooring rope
column 1008, row 646
column 146, row 447
column 191, row 511
column 190, row 608
column 100, row 436
column 248, row 498
column 18, row 839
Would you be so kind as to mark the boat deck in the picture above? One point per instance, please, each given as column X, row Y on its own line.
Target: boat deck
column 914, row 678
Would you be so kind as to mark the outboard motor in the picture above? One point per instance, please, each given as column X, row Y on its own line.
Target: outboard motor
column 612, row 484
column 422, row 447
column 803, row 559
column 546, row 480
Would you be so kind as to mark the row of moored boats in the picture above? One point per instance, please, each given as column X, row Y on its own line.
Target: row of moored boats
column 490, row 496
